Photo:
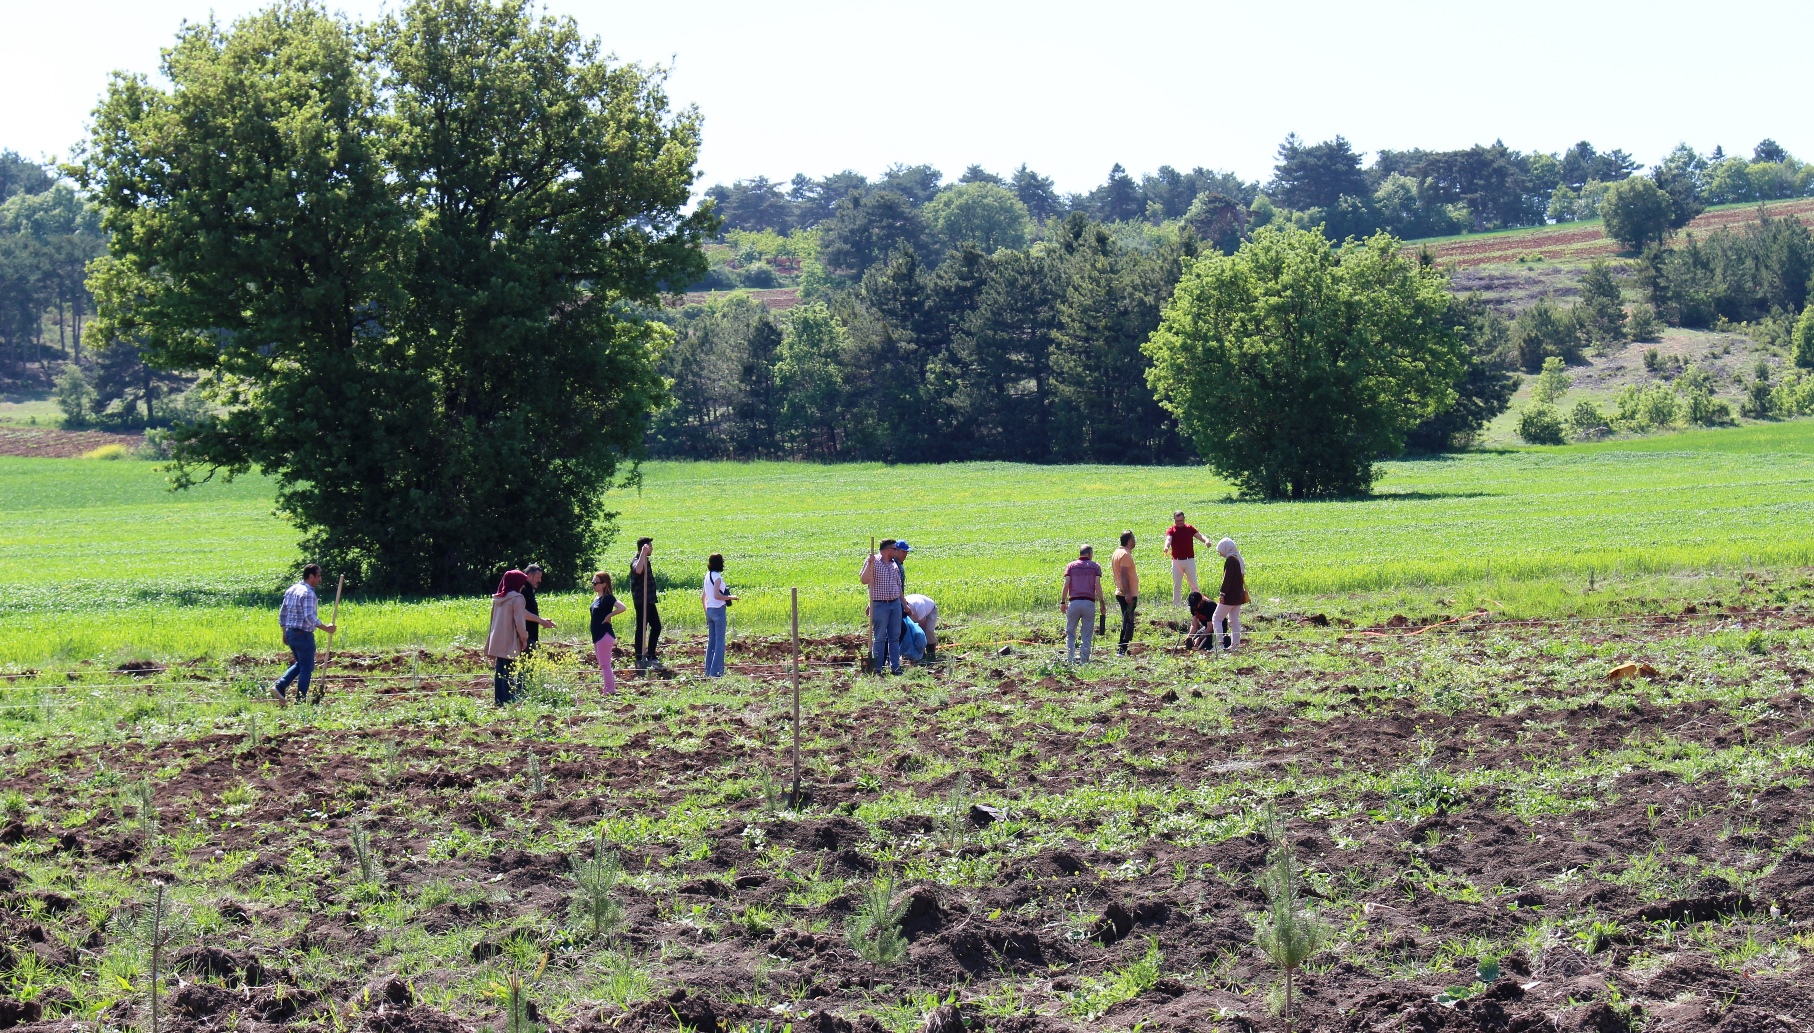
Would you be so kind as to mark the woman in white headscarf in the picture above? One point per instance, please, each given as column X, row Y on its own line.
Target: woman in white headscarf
column 1233, row 595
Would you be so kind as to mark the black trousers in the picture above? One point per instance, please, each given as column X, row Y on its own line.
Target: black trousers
column 648, row 621
column 1127, row 620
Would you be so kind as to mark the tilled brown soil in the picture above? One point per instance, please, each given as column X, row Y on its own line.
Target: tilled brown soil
column 52, row 443
column 1049, row 915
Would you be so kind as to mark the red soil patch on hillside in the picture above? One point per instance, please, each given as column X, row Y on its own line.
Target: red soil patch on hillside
column 1591, row 241
column 51, row 443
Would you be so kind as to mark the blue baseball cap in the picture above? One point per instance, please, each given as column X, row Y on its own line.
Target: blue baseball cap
column 903, row 546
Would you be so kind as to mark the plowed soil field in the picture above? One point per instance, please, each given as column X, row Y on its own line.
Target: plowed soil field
column 1497, row 830
column 1575, row 243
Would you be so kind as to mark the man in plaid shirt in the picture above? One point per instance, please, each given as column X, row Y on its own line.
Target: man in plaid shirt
column 884, row 577
column 299, row 617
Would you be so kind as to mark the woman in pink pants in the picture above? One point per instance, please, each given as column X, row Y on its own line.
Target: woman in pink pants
column 604, row 607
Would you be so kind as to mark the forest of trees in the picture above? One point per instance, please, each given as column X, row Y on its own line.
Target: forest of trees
column 993, row 318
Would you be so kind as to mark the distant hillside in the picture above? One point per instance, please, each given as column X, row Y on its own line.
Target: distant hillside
column 1579, row 241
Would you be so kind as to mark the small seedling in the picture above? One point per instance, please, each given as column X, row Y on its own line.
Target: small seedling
column 536, row 782
column 1286, row 932
column 595, row 905
column 956, row 814
column 148, row 817
column 511, row 990
column 13, row 804
column 154, row 925
column 365, row 855
column 875, row 931
column 393, row 759
column 253, row 738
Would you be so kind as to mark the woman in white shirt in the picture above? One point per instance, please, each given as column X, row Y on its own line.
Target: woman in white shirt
column 716, row 598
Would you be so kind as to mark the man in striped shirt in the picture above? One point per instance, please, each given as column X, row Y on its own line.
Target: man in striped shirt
column 299, row 617
column 884, row 577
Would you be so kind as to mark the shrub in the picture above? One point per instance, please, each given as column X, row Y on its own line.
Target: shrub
column 1648, row 408
column 1541, row 424
column 1802, row 339
column 1601, row 310
column 1794, row 396
column 1552, row 383
column 75, row 396
column 113, row 451
column 1546, row 329
column 1643, row 324
column 760, row 276
column 1587, row 420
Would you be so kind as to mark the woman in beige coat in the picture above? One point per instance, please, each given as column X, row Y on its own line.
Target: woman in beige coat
column 509, row 633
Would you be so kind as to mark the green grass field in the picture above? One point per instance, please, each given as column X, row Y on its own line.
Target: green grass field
column 100, row 560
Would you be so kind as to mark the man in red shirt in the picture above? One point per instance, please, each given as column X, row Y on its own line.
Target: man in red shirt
column 1181, row 545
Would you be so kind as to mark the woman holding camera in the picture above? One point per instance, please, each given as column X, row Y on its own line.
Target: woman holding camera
column 717, row 599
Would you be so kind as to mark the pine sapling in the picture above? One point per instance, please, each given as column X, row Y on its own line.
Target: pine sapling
column 595, row 905
column 154, row 925
column 875, row 930
column 511, row 989
column 1287, row 932
column 365, row 855
column 957, row 811
column 148, row 816
column 536, row 782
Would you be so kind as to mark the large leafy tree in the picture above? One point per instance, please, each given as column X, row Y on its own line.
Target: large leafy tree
column 867, row 227
column 405, row 259
column 1295, row 365
column 983, row 215
column 1637, row 212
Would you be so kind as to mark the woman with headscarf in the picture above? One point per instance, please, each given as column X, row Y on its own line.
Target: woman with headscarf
column 1233, row 595
column 509, row 634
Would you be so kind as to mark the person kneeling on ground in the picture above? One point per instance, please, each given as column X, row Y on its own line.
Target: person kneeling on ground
column 1082, row 595
column 509, row 634
column 605, row 606
column 1202, row 616
column 1232, row 597
column 913, row 640
column 924, row 613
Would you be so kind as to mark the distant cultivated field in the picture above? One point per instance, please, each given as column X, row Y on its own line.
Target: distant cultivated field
column 99, row 559
column 1578, row 241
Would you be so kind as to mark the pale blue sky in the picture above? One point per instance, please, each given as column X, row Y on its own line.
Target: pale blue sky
column 1072, row 88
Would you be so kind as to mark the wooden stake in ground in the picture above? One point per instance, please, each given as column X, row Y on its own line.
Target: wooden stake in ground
column 320, row 685
column 796, row 602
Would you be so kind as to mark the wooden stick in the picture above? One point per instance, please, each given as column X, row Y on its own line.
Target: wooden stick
column 334, row 620
column 796, row 622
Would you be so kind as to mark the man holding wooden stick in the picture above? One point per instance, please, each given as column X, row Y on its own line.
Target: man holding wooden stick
column 883, row 576
column 299, row 616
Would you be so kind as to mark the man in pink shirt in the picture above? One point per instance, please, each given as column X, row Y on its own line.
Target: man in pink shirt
column 1181, row 545
column 1082, row 596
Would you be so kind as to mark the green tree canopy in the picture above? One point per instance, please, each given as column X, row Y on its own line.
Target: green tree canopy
column 1294, row 365
column 1636, row 212
column 403, row 256
column 984, row 215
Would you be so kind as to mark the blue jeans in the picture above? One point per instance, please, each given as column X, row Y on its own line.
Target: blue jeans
column 503, row 680
column 302, row 647
column 886, row 619
column 714, row 641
